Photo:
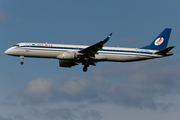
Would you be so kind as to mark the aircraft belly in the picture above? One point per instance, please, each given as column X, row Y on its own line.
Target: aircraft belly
column 126, row 58
column 121, row 58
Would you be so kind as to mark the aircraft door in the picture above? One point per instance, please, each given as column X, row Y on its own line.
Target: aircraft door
column 137, row 52
column 27, row 47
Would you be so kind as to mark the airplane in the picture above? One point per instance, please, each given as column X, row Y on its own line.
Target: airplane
column 71, row 55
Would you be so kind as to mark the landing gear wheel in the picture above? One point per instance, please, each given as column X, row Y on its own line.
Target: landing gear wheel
column 85, row 69
column 22, row 62
column 22, row 59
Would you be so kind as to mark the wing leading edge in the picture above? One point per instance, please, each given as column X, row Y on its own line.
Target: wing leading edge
column 93, row 49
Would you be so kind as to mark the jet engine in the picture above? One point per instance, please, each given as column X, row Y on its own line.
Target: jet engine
column 63, row 63
column 67, row 56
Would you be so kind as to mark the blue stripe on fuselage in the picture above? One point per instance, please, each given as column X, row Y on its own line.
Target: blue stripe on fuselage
column 104, row 51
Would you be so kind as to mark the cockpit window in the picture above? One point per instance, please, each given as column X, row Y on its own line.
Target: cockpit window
column 16, row 45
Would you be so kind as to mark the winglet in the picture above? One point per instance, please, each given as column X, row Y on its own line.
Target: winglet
column 96, row 47
column 107, row 37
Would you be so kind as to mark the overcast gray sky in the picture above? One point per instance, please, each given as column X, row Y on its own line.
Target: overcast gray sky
column 41, row 90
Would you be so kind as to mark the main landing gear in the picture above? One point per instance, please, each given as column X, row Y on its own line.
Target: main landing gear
column 86, row 65
column 85, row 68
column 22, row 58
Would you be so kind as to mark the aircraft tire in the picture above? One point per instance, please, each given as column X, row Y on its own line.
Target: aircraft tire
column 85, row 69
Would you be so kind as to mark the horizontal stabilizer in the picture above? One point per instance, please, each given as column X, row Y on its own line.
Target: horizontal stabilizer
column 165, row 51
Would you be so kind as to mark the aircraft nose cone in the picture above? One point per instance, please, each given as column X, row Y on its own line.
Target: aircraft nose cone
column 6, row 52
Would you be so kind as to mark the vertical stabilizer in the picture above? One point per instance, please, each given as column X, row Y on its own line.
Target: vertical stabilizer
column 161, row 41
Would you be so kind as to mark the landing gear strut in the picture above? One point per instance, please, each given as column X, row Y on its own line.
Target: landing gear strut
column 86, row 65
column 22, row 58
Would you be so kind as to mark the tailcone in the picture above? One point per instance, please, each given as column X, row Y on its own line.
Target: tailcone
column 169, row 54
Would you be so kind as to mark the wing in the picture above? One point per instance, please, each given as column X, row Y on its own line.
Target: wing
column 93, row 49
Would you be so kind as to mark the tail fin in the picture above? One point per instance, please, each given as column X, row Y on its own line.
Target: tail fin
column 161, row 41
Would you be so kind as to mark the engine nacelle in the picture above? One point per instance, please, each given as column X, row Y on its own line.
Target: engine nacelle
column 67, row 56
column 63, row 63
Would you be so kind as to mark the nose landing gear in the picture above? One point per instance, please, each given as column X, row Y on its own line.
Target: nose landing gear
column 22, row 58
column 22, row 62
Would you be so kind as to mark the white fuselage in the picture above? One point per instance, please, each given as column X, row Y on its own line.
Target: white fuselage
column 116, row 54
